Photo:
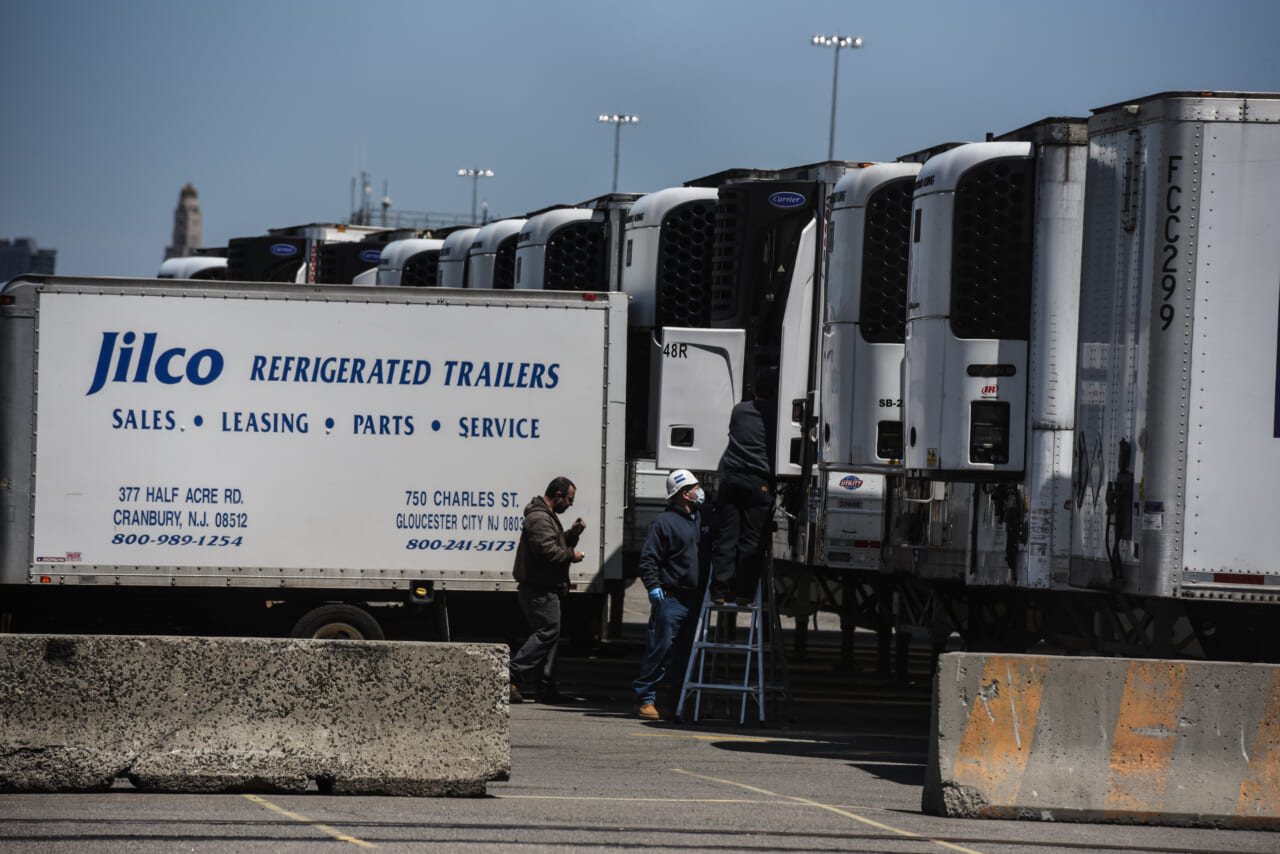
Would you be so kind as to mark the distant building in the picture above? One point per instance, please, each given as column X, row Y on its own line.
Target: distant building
column 186, row 225
column 21, row 255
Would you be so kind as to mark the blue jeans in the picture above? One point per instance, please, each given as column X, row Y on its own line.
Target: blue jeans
column 672, row 624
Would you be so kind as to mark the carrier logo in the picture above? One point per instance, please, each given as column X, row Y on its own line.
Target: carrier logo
column 786, row 199
column 851, row 481
column 372, row 256
column 169, row 367
column 284, row 250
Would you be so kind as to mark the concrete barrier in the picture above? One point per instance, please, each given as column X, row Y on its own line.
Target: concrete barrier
column 251, row 714
column 1105, row 739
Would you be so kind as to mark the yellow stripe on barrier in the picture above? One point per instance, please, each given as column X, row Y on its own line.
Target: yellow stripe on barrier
column 1259, row 800
column 1145, row 734
column 996, row 743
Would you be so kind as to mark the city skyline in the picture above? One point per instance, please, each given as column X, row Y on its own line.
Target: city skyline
column 272, row 111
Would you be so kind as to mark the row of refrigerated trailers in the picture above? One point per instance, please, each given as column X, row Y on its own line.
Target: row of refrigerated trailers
column 1029, row 385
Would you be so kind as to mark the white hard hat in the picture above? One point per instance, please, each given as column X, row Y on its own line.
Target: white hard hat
column 678, row 480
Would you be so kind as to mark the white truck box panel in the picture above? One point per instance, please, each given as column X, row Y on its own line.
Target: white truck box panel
column 221, row 453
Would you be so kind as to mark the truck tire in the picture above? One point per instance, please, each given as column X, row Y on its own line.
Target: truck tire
column 338, row 622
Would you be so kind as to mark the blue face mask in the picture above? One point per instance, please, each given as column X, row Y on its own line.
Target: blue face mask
column 700, row 496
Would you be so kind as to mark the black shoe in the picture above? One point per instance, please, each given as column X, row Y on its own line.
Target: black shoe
column 516, row 696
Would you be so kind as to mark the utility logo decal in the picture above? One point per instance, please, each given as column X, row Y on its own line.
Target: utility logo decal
column 786, row 199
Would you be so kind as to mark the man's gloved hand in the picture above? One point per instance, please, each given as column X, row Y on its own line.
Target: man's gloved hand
column 655, row 595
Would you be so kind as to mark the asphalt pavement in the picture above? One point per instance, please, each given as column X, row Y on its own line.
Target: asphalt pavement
column 844, row 775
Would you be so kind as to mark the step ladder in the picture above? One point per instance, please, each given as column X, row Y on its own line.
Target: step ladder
column 750, row 672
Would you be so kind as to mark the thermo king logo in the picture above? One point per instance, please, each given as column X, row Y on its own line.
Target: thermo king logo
column 786, row 199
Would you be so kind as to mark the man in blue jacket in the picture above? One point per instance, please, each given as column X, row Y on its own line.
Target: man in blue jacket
column 671, row 564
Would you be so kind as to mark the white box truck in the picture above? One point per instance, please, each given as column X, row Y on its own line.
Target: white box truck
column 336, row 452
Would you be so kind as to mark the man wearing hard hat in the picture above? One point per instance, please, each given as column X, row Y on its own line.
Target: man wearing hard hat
column 671, row 567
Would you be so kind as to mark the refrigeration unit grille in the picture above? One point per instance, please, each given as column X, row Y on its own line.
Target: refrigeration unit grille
column 504, row 263
column 992, row 251
column 724, row 282
column 684, row 265
column 575, row 259
column 420, row 270
column 265, row 259
column 885, row 246
column 758, row 231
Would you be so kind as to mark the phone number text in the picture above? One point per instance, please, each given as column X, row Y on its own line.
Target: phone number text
column 175, row 540
column 462, row 545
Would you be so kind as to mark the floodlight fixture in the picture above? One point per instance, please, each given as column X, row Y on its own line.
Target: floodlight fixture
column 836, row 42
column 617, row 120
column 475, row 175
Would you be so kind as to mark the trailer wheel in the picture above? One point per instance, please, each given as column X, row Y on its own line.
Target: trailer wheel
column 338, row 622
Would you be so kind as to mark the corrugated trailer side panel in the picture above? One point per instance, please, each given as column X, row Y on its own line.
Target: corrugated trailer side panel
column 17, row 427
column 1177, row 388
column 1233, row 443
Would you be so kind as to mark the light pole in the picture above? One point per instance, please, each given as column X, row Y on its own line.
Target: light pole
column 617, row 121
column 475, row 175
column 837, row 42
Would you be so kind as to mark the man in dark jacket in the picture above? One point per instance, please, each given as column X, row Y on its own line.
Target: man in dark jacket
column 542, row 568
column 671, row 568
column 744, row 500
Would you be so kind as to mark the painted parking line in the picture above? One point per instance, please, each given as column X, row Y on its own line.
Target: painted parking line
column 634, row 800
column 341, row 837
column 828, row 807
column 751, row 738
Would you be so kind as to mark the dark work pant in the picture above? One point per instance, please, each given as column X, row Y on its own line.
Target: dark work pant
column 744, row 506
column 541, row 607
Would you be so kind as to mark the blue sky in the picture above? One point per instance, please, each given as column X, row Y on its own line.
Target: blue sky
column 270, row 108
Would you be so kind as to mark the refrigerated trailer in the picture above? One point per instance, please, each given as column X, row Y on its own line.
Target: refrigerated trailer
column 295, row 459
column 1089, row 384
column 1177, row 438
